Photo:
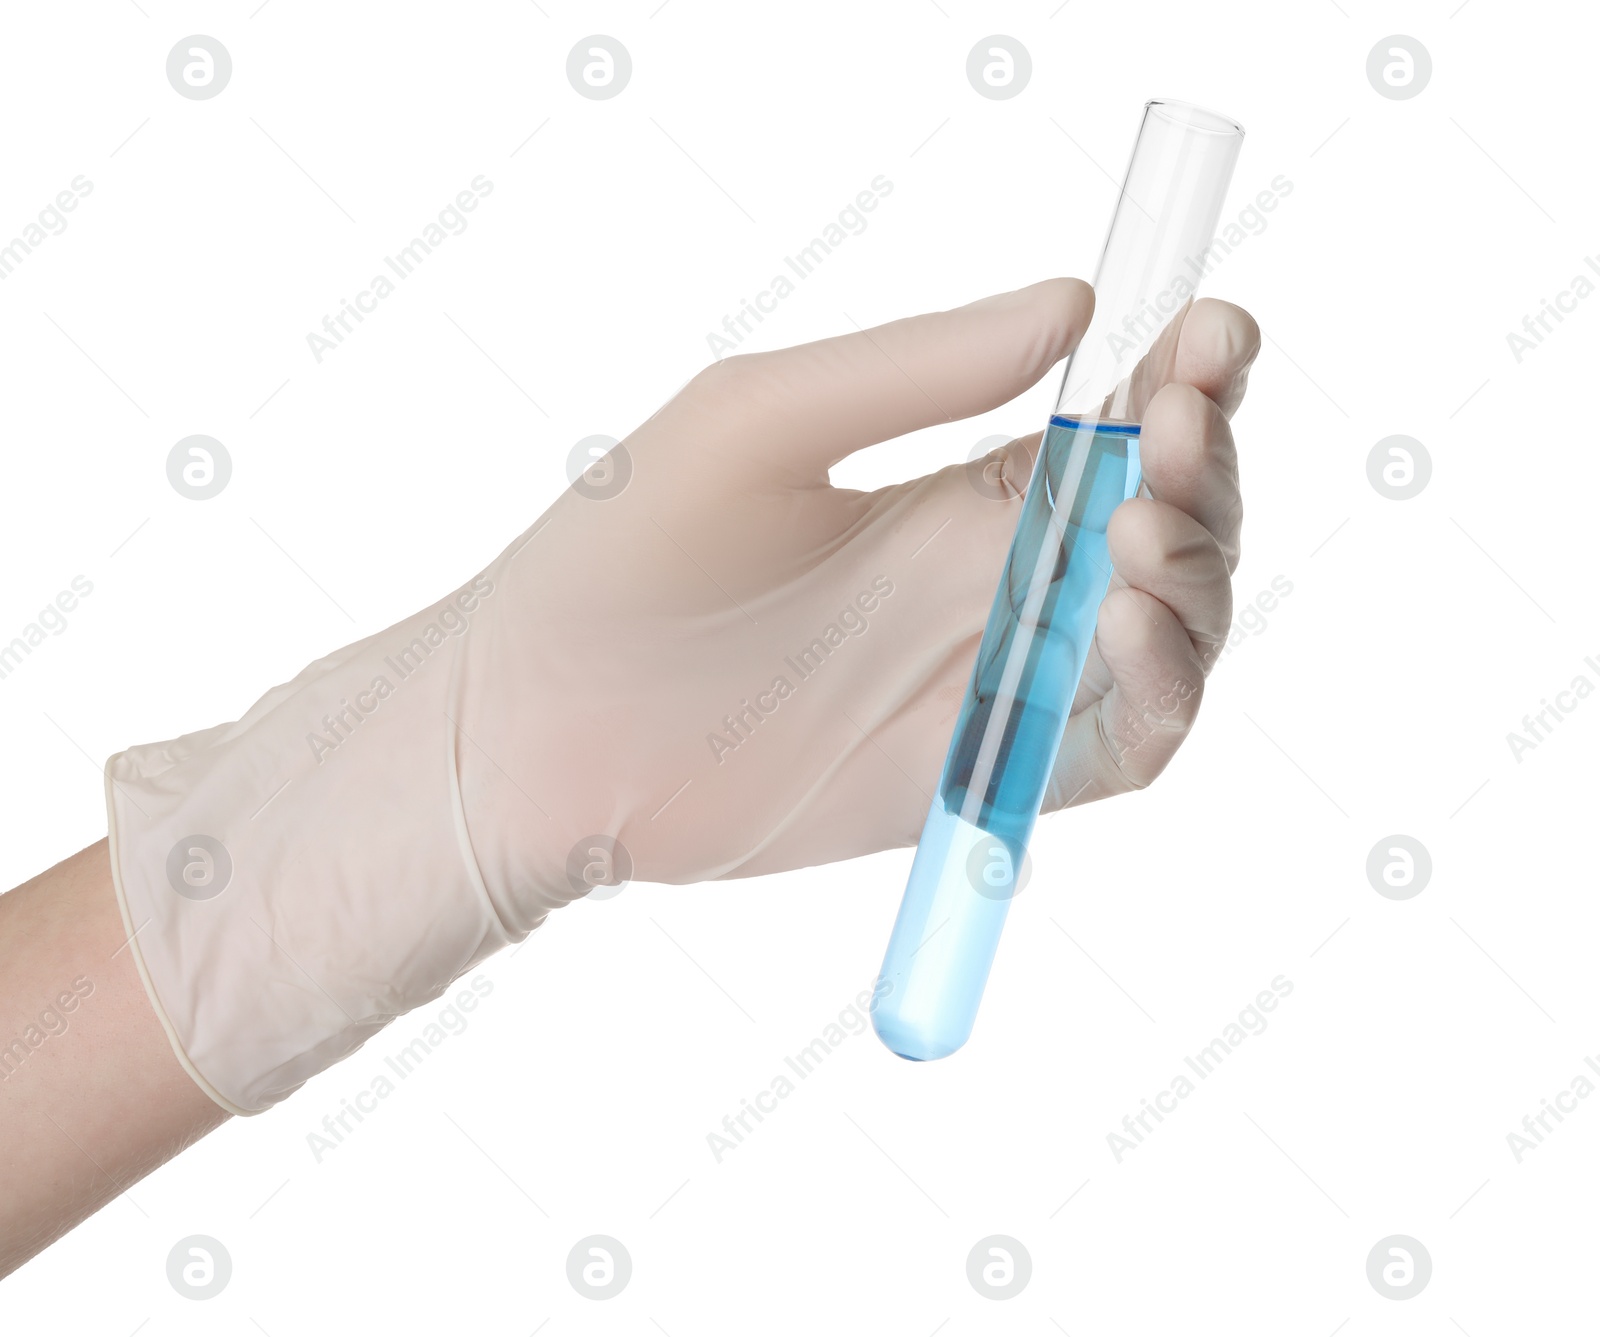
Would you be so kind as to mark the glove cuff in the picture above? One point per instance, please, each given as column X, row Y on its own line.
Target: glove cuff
column 292, row 882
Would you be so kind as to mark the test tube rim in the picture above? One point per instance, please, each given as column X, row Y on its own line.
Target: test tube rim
column 1194, row 117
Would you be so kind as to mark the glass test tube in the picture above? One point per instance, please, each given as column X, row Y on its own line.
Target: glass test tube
column 1042, row 623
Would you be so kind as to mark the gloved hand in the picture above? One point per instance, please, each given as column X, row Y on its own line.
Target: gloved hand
column 726, row 667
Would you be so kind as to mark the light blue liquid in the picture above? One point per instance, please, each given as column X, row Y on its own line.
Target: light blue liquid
column 1006, row 739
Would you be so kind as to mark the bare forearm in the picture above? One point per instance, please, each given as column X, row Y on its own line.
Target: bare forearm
column 91, row 1095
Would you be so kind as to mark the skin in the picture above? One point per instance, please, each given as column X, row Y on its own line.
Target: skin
column 97, row 1106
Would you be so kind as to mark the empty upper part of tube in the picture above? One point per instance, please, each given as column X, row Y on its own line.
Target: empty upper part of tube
column 1162, row 243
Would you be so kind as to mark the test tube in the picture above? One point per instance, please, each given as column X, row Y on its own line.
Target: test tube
column 1162, row 241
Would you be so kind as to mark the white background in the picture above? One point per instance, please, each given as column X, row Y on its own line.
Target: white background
column 1376, row 701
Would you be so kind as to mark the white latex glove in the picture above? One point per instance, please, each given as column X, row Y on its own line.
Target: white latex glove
column 728, row 667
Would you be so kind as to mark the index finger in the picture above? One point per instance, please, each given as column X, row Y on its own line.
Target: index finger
column 804, row 409
column 1209, row 344
column 1216, row 349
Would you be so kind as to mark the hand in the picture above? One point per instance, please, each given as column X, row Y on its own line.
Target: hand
column 726, row 667
column 671, row 621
